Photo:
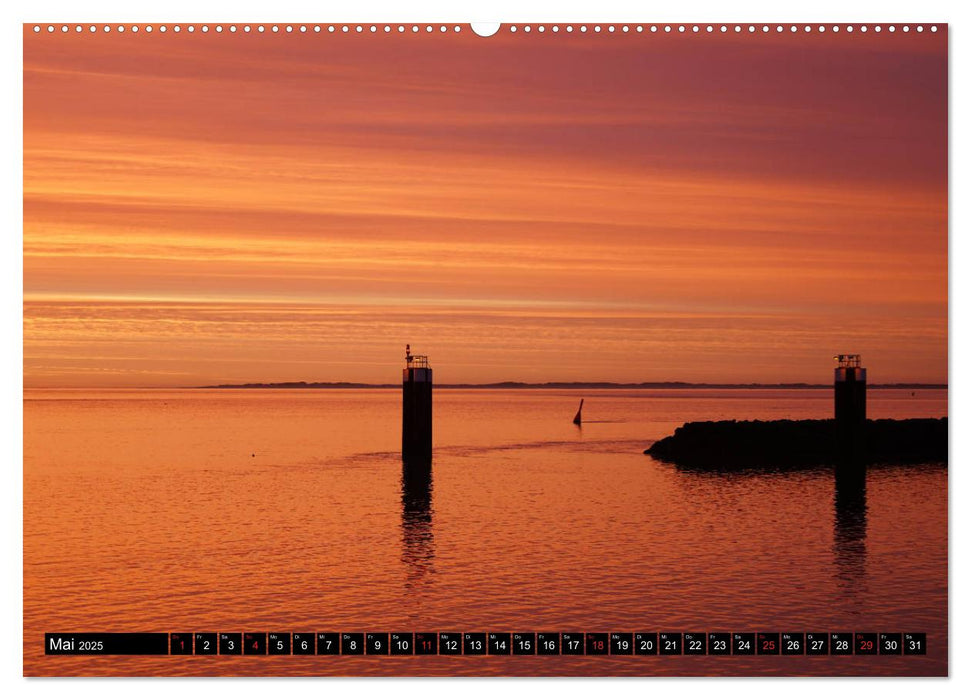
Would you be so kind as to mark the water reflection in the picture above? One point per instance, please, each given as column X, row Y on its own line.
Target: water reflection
column 850, row 513
column 850, row 526
column 417, row 537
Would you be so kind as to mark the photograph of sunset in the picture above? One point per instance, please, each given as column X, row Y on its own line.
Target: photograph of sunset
column 682, row 293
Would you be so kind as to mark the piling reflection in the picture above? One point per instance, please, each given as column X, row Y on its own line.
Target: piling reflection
column 850, row 514
column 417, row 538
column 850, row 526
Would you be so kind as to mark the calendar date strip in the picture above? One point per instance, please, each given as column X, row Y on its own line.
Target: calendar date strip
column 375, row 644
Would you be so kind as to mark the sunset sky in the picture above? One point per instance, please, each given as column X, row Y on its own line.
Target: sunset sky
column 221, row 208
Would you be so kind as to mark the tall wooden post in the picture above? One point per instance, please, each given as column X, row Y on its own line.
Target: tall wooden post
column 849, row 394
column 416, row 411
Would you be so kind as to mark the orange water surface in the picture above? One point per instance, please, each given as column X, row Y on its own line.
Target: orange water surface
column 274, row 510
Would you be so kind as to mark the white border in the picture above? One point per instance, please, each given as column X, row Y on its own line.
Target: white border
column 710, row 11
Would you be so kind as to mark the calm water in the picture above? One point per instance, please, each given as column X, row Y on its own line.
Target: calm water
column 286, row 511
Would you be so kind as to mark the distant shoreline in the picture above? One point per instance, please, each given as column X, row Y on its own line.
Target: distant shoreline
column 557, row 385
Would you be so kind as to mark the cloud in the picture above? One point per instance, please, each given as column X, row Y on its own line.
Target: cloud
column 785, row 179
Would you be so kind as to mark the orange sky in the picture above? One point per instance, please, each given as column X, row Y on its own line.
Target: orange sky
column 230, row 207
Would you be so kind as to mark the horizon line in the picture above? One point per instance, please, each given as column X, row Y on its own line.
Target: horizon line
column 506, row 384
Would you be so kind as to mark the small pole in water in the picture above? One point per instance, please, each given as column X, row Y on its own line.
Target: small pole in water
column 577, row 420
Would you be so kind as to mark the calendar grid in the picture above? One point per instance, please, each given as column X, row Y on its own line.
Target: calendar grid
column 376, row 644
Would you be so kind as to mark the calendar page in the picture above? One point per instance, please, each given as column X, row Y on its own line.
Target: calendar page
column 523, row 349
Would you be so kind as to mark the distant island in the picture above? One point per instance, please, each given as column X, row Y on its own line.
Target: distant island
column 558, row 385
